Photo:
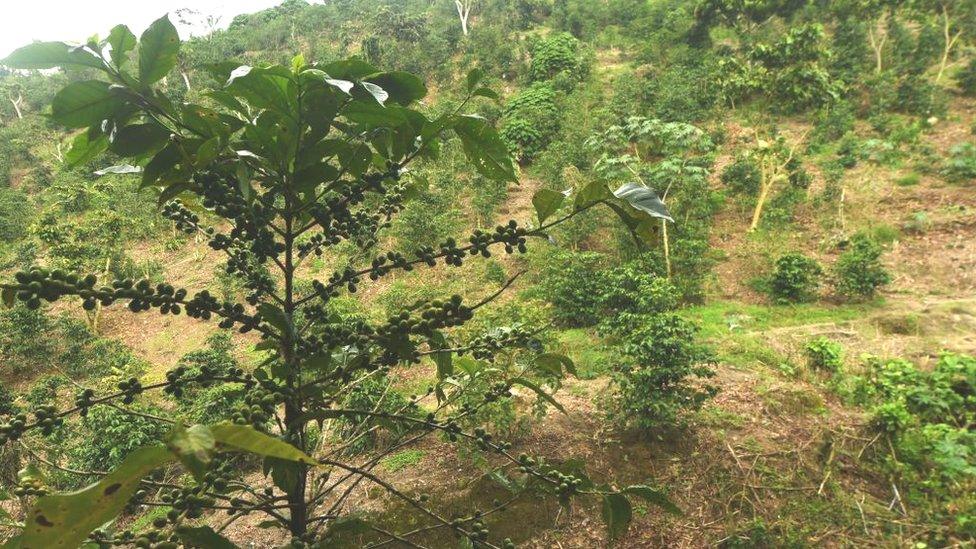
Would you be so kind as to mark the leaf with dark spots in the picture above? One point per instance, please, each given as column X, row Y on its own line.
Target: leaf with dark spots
column 112, row 489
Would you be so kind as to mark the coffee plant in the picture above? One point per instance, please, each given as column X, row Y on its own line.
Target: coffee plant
column 283, row 163
column 859, row 272
column 795, row 279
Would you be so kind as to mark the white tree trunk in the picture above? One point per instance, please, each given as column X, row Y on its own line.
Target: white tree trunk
column 16, row 103
column 464, row 11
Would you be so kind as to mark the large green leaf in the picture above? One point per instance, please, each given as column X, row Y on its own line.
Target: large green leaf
column 246, row 438
column 617, row 514
column 203, row 537
column 644, row 199
column 85, row 149
column 122, row 41
column 652, row 496
column 594, row 191
column 485, row 149
column 83, row 104
column 546, row 203
column 48, row 55
column 139, row 139
column 158, row 49
column 554, row 364
column 194, row 447
column 402, row 87
column 65, row 520
column 538, row 390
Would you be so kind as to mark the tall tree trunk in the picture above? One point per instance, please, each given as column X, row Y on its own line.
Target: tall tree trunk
column 878, row 42
column 464, row 11
column 16, row 103
column 950, row 41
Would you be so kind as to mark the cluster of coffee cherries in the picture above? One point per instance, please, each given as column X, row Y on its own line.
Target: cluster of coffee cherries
column 47, row 419
column 385, row 263
column 513, row 236
column 37, row 284
column 13, row 428
column 130, row 388
column 30, row 486
column 487, row 345
column 258, row 408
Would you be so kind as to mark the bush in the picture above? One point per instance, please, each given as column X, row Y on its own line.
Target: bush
column 961, row 165
column 742, row 177
column 824, row 354
column 795, row 279
column 655, row 384
column 859, row 272
column 556, row 54
column 571, row 282
column 967, row 79
column 15, row 214
column 111, row 434
column 530, row 121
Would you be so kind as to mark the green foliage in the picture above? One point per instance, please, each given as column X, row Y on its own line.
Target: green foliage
column 791, row 70
column 111, row 434
column 555, row 55
column 742, row 176
column 573, row 285
column 530, row 121
column 15, row 214
column 960, row 167
column 859, row 272
column 923, row 414
column 825, row 355
column 795, row 279
column 966, row 78
column 656, row 382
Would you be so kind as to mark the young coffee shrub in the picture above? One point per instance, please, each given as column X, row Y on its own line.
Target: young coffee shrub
column 859, row 273
column 825, row 355
column 966, row 78
column 657, row 381
column 960, row 167
column 557, row 54
column 282, row 163
column 572, row 282
column 742, row 176
column 795, row 279
column 530, row 121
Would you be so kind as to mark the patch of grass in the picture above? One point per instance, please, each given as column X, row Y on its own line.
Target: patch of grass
column 908, row 180
column 794, row 402
column 885, row 234
column 587, row 351
column 721, row 318
column 720, row 418
column 404, row 459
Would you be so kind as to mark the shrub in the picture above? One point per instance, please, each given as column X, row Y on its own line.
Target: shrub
column 556, row 54
column 795, row 279
column 824, row 354
column 15, row 214
column 530, row 121
column 742, row 176
column 111, row 434
column 571, row 282
column 656, row 382
column 961, row 164
column 859, row 272
column 967, row 78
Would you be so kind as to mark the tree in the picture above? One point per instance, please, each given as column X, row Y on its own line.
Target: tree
column 774, row 156
column 664, row 154
column 464, row 13
column 289, row 162
column 957, row 18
